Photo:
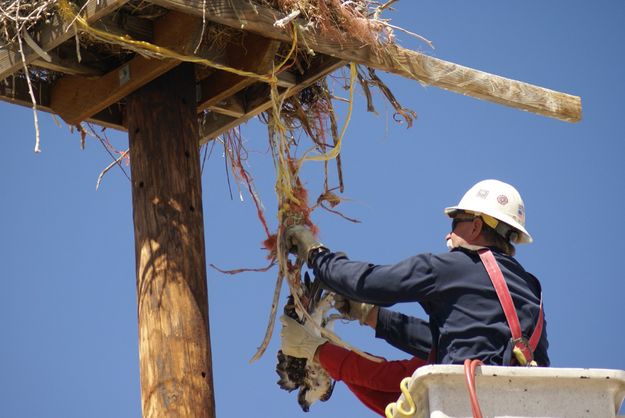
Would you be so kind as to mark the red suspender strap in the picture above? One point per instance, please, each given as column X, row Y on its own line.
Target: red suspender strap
column 533, row 341
column 494, row 272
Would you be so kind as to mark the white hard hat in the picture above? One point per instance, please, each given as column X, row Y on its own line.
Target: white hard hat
column 497, row 200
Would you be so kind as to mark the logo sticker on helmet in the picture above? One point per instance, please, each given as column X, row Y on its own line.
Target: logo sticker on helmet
column 502, row 199
column 482, row 193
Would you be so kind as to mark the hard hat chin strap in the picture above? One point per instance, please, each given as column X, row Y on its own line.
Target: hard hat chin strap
column 506, row 231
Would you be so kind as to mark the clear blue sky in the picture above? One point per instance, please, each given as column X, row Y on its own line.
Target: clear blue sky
column 67, row 287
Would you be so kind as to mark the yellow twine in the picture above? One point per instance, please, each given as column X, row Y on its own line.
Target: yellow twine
column 69, row 16
column 337, row 147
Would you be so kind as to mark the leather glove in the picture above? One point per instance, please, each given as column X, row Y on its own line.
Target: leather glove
column 299, row 340
column 301, row 241
column 352, row 309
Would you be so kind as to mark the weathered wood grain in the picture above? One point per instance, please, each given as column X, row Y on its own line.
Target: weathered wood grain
column 174, row 341
column 393, row 59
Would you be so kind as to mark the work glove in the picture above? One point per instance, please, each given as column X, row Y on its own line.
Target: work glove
column 301, row 241
column 299, row 340
column 352, row 309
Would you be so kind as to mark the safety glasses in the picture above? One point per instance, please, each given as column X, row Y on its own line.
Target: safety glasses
column 456, row 221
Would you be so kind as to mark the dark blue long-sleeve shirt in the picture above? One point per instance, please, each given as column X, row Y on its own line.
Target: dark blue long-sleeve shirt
column 407, row 333
column 465, row 316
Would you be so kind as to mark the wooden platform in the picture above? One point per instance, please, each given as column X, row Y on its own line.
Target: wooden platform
column 94, row 88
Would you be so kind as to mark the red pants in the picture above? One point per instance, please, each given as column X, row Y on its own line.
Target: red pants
column 375, row 384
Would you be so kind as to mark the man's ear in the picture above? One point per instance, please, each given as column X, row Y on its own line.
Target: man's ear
column 476, row 228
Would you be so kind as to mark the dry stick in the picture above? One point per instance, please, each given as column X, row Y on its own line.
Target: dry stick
column 407, row 114
column 226, row 166
column 111, row 165
column 71, row 23
column 280, row 23
column 104, row 142
column 30, row 87
column 282, row 272
column 78, row 56
column 207, row 154
column 203, row 27
column 379, row 9
column 336, row 212
column 365, row 87
column 335, row 137
column 244, row 270
column 272, row 319
column 33, row 45
column 421, row 38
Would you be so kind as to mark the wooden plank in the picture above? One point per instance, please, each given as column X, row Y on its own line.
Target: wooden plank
column 53, row 34
column 392, row 59
column 174, row 341
column 231, row 106
column 255, row 53
column 15, row 91
column 212, row 124
column 76, row 98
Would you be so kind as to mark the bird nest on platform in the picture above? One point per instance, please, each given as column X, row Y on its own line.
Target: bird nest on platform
column 302, row 126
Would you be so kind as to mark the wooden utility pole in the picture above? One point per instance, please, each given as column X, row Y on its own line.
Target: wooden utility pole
column 174, row 340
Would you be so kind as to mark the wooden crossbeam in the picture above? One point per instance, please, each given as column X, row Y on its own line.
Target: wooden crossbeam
column 14, row 90
column 76, row 98
column 393, row 59
column 214, row 124
column 256, row 53
column 53, row 34
column 231, row 106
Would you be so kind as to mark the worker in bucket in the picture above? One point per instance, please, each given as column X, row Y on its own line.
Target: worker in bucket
column 482, row 304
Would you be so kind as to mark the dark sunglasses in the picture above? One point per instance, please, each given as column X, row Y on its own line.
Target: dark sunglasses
column 456, row 221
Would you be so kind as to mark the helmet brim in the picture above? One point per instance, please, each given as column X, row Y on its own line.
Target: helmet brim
column 523, row 237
